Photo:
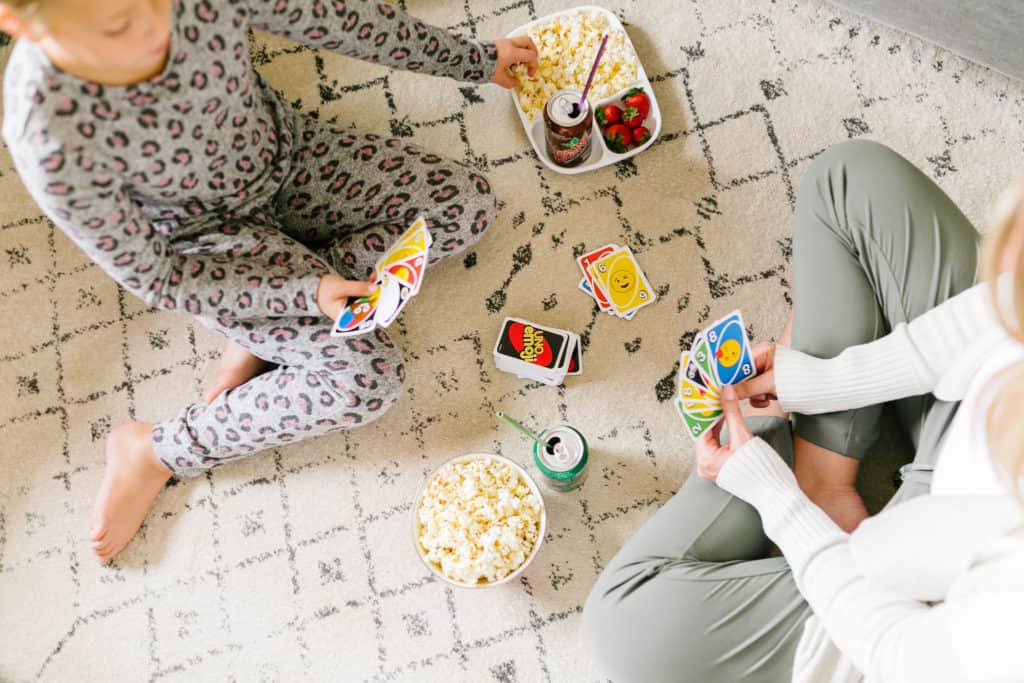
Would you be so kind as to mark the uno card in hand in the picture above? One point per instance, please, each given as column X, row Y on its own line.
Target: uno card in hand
column 393, row 297
column 730, row 349
column 696, row 425
column 692, row 384
column 619, row 276
column 700, row 353
column 585, row 261
column 407, row 258
column 358, row 317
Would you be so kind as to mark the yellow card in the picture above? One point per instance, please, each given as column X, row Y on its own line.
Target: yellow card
column 412, row 243
column 621, row 279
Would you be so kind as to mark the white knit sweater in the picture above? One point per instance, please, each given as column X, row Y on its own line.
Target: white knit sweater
column 930, row 591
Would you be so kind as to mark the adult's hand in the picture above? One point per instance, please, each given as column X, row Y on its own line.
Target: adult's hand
column 711, row 454
column 760, row 389
column 512, row 51
column 334, row 291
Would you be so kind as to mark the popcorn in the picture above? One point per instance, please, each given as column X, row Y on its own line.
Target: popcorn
column 567, row 46
column 478, row 520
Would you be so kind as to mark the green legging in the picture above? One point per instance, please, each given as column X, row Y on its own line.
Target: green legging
column 693, row 596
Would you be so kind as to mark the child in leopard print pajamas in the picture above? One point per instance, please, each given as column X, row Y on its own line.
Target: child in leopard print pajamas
column 143, row 132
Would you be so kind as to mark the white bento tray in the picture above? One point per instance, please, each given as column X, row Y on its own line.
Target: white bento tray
column 600, row 155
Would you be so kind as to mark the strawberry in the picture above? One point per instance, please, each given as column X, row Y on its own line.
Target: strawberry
column 618, row 138
column 608, row 114
column 638, row 98
column 641, row 135
column 632, row 117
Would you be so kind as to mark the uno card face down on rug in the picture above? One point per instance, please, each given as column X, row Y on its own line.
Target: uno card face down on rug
column 532, row 351
column 398, row 275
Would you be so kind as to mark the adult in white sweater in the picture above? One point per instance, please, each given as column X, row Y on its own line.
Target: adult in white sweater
column 931, row 590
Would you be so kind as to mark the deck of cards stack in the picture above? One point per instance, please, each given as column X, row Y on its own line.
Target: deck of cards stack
column 398, row 274
column 531, row 351
column 613, row 278
column 719, row 355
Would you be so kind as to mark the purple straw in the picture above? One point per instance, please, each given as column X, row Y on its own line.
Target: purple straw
column 590, row 79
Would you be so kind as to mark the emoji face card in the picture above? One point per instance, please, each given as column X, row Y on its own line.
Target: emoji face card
column 730, row 350
column 619, row 277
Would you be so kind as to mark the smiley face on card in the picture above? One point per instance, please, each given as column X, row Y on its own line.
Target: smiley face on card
column 730, row 349
column 619, row 277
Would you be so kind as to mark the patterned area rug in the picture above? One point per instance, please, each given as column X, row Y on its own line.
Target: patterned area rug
column 299, row 565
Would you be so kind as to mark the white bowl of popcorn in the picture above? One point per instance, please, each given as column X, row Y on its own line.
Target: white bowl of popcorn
column 478, row 521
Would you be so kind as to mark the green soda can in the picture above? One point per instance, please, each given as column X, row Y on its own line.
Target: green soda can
column 563, row 457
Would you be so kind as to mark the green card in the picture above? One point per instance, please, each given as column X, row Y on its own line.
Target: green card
column 697, row 423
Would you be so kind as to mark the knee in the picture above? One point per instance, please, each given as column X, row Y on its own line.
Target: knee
column 854, row 154
column 476, row 210
column 601, row 624
column 853, row 163
column 370, row 380
column 626, row 644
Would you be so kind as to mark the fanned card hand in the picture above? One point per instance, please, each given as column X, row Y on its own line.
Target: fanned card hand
column 719, row 355
column 399, row 274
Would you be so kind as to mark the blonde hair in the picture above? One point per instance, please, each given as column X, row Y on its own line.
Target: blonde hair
column 1004, row 420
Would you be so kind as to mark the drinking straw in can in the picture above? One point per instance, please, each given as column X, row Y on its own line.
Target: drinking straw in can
column 590, row 79
column 520, row 427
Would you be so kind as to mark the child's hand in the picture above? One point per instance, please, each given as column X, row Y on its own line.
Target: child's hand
column 334, row 291
column 512, row 51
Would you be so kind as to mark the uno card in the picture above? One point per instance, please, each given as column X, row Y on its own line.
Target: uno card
column 700, row 353
column 730, row 349
column 536, row 346
column 358, row 317
column 409, row 271
column 702, row 409
column 585, row 261
column 585, row 286
column 619, row 277
column 692, row 384
column 394, row 295
column 695, row 426
column 575, row 359
column 406, row 259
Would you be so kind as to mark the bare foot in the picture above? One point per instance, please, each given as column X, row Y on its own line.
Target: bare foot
column 130, row 483
column 237, row 366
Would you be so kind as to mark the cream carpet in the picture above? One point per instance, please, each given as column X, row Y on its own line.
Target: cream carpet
column 299, row 565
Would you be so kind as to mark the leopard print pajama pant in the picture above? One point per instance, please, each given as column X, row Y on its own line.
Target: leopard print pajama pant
column 347, row 195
